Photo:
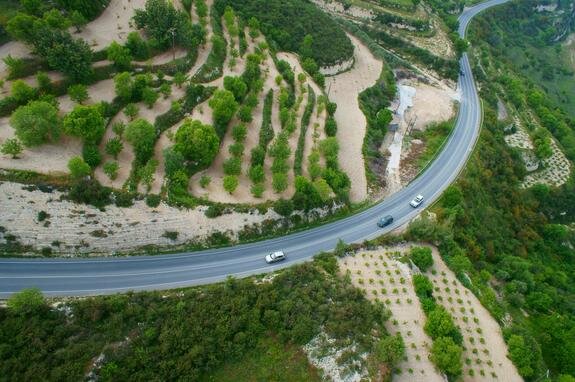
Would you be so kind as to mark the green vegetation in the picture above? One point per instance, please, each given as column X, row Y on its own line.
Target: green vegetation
column 12, row 147
column 167, row 336
column 36, row 123
column 197, row 142
column 421, row 256
column 434, row 136
column 270, row 360
column 298, row 160
column 287, row 23
column 374, row 102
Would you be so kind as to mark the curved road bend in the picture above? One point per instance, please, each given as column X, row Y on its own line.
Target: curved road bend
column 61, row 277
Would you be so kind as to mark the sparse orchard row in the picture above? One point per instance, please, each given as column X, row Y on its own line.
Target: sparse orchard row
column 452, row 319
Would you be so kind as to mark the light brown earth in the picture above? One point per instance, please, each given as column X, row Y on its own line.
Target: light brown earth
column 344, row 89
column 376, row 270
column 86, row 230
column 114, row 24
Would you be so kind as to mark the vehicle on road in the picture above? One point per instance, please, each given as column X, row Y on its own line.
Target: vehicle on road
column 385, row 221
column 274, row 257
column 416, row 202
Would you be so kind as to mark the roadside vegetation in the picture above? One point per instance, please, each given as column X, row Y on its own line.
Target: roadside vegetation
column 200, row 333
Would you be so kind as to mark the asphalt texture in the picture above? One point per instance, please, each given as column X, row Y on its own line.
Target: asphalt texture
column 108, row 275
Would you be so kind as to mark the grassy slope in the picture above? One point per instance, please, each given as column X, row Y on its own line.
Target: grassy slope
column 270, row 361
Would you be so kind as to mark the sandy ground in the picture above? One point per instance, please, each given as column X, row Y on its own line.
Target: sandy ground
column 45, row 159
column 344, row 89
column 14, row 48
column 204, row 50
column 491, row 356
column 430, row 104
column 87, row 230
column 409, row 318
column 114, row 24
column 100, row 91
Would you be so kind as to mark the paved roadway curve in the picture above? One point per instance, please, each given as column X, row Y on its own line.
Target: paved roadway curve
column 111, row 275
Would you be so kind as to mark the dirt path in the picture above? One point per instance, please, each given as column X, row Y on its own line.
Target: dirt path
column 344, row 89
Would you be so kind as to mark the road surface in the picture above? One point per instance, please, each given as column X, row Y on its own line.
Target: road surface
column 66, row 277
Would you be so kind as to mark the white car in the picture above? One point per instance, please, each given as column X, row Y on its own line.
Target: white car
column 416, row 202
column 275, row 257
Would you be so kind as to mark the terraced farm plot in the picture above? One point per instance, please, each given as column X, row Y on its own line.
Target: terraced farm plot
column 384, row 278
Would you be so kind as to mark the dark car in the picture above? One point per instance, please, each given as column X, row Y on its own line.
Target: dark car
column 385, row 221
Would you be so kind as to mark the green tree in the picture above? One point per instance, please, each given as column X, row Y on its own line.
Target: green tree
column 421, row 257
column 63, row 53
column 78, row 20
column 284, row 207
column 446, row 355
column 26, row 302
column 142, row 136
column 124, row 84
column 22, row 27
column 239, row 132
column 231, row 182
column 173, row 161
column 119, row 55
column 78, row 93
column 146, row 173
column 85, row 122
column 390, row 349
column 12, row 147
column 137, row 46
column 257, row 174
column 224, row 106
column 150, row 96
column 111, row 169
column 197, row 142
column 237, row 86
column 440, row 324
column 179, row 79
column 323, row 189
column 55, row 19
column 232, row 166
column 44, row 82
column 36, row 123
column 131, row 110
column 279, row 182
column 78, row 168
column 257, row 190
column 521, row 355
column 114, row 146
column 22, row 92
column 205, row 181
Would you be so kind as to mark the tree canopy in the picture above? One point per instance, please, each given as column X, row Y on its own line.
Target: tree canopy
column 197, row 142
column 36, row 123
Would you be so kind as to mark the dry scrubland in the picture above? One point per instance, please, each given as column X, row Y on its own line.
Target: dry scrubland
column 384, row 278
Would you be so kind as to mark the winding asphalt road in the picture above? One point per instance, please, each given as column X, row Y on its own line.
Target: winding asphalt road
column 60, row 277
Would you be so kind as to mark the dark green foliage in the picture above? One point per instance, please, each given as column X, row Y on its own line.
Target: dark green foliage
column 390, row 350
column 36, row 123
column 446, row 355
column 298, row 159
column 421, row 257
column 27, row 302
column 286, row 23
column 330, row 127
column 163, row 23
column 372, row 101
column 142, row 136
column 214, row 211
column 195, row 94
column 124, row 199
column 91, row 155
column 237, row 86
column 63, row 53
column 137, row 46
column 89, row 191
column 224, row 107
column 284, row 207
column 266, row 131
column 153, row 200
column 440, row 324
column 85, row 122
column 197, row 142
